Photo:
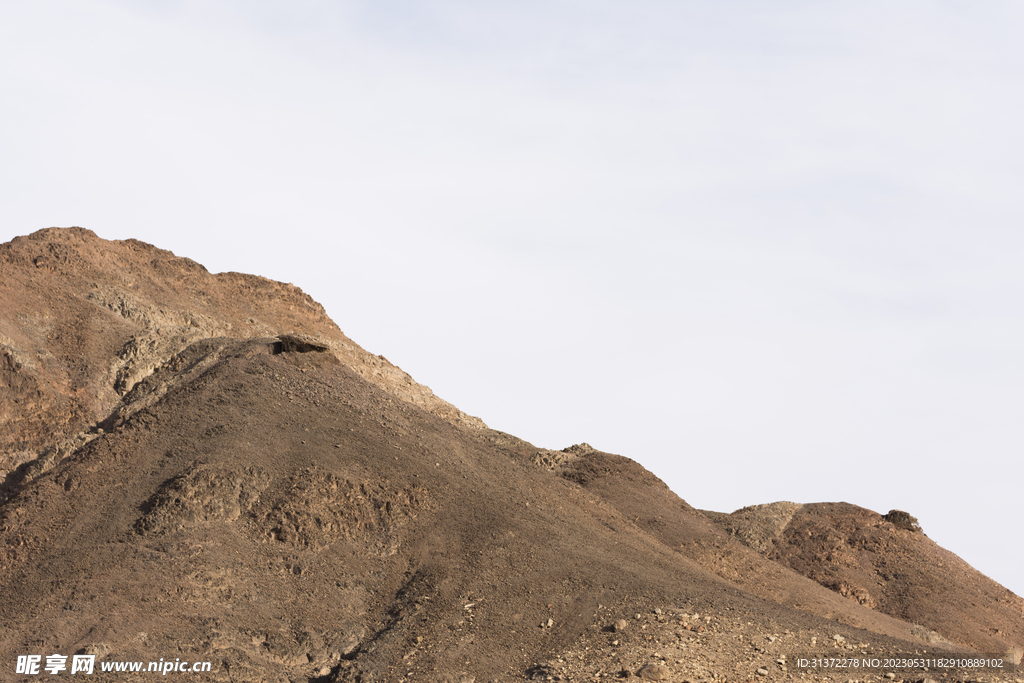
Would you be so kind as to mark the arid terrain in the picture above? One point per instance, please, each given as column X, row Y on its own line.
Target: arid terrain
column 203, row 467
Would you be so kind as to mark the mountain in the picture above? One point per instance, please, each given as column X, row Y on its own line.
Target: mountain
column 203, row 467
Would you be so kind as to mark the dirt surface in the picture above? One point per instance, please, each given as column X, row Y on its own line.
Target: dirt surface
column 202, row 467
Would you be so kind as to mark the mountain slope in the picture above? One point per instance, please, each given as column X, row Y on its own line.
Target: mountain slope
column 885, row 562
column 277, row 513
column 204, row 467
column 84, row 319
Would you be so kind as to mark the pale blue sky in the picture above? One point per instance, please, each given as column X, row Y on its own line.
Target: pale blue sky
column 770, row 250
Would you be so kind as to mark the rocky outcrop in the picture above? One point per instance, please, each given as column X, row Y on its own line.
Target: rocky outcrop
column 886, row 563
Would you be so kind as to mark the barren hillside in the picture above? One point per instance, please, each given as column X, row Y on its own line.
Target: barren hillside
column 203, row 467
column 887, row 563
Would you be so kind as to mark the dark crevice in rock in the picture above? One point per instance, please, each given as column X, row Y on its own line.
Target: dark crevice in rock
column 291, row 343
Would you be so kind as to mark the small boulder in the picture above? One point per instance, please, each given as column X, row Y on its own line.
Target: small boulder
column 653, row 672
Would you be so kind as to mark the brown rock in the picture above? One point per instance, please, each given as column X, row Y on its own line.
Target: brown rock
column 653, row 672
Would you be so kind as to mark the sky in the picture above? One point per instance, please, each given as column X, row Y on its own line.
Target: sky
column 771, row 251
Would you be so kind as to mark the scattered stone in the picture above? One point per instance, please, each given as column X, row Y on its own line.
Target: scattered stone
column 99, row 650
column 620, row 626
column 653, row 672
column 762, row 671
column 545, row 671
